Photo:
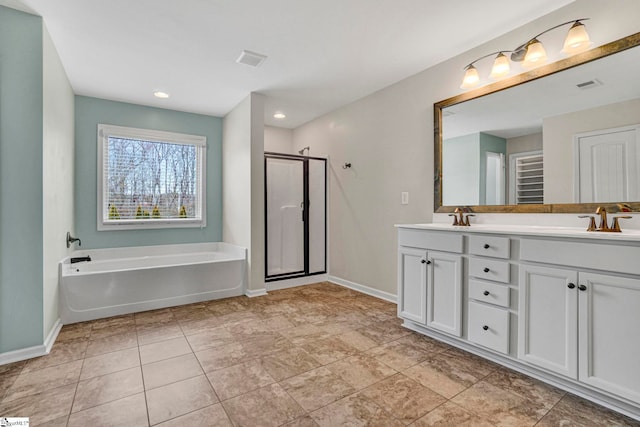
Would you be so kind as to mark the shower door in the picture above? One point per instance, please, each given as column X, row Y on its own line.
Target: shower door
column 295, row 213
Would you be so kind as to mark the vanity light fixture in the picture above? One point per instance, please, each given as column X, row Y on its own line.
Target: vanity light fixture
column 160, row 94
column 531, row 53
column 279, row 116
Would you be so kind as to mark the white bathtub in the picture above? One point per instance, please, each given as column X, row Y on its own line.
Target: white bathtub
column 126, row 280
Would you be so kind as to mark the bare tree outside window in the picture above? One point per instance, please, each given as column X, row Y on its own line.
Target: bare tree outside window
column 150, row 179
column 146, row 177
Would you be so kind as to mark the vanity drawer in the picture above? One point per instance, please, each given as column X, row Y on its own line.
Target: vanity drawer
column 492, row 246
column 493, row 293
column 489, row 269
column 446, row 242
column 489, row 326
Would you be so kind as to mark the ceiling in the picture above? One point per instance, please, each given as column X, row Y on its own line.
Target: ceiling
column 322, row 54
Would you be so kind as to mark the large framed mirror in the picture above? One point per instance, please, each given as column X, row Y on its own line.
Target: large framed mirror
column 564, row 137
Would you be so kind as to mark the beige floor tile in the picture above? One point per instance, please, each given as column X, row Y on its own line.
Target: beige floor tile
column 74, row 331
column 43, row 407
column 150, row 333
column 287, row 363
column 354, row 410
column 451, row 415
column 212, row 337
column 12, row 368
column 58, row 422
column 329, row 350
column 316, row 388
column 194, row 326
column 399, row 355
column 163, row 315
column 384, row 332
column 112, row 343
column 360, row 371
column 164, row 350
column 357, row 340
column 110, row 362
column 222, row 357
column 107, row 388
column 6, row 381
column 266, row 344
column 500, row 406
column 29, row 383
column 305, row 421
column 304, row 334
column 575, row 411
column 126, row 321
column 63, row 352
column 173, row 400
column 267, row 406
column 425, row 343
column 168, row 371
column 211, row 416
column 130, row 411
column 403, row 398
column 246, row 330
column 117, row 329
column 528, row 388
column 446, row 374
column 239, row 379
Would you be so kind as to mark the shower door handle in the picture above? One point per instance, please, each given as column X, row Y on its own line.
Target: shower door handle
column 302, row 210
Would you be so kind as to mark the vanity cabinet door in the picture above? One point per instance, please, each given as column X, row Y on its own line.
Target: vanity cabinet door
column 548, row 316
column 412, row 280
column 609, row 325
column 444, row 292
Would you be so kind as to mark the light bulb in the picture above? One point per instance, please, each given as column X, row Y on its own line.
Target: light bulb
column 577, row 39
column 471, row 78
column 536, row 54
column 500, row 67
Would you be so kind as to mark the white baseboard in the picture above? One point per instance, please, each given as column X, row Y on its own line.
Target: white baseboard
column 22, row 354
column 364, row 289
column 255, row 292
column 35, row 351
column 53, row 334
column 299, row 281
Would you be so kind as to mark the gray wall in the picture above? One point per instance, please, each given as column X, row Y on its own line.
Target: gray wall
column 89, row 112
column 21, row 318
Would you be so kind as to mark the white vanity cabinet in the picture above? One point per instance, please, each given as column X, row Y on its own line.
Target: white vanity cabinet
column 580, row 323
column 562, row 306
column 430, row 278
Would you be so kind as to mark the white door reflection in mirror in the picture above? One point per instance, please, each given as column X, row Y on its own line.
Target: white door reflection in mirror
column 608, row 165
column 495, row 179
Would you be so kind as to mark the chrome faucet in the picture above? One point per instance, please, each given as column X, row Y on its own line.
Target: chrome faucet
column 71, row 239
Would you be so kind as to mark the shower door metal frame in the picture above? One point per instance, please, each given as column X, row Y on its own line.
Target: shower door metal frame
column 305, row 216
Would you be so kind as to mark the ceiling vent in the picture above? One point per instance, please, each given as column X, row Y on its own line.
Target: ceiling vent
column 589, row 84
column 251, row 58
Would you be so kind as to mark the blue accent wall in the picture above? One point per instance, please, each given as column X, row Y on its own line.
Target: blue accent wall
column 21, row 253
column 93, row 111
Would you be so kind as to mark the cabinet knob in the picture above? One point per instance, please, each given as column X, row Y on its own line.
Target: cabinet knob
column 582, row 287
column 486, row 269
column 485, row 327
column 486, row 246
column 485, row 293
column 571, row 285
column 424, row 261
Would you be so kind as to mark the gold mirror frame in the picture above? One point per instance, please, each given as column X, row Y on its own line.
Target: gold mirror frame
column 546, row 70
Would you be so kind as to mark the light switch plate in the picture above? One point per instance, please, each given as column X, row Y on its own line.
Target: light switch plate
column 405, row 198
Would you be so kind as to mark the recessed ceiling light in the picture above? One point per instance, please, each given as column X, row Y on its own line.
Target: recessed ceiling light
column 279, row 116
column 160, row 94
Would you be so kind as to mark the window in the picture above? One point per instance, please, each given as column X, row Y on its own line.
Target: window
column 150, row 179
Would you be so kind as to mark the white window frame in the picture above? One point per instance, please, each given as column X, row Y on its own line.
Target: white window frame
column 107, row 131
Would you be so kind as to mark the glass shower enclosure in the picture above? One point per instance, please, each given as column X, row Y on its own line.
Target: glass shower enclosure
column 295, row 216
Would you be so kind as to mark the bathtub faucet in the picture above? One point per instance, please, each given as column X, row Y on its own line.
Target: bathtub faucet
column 80, row 259
column 71, row 239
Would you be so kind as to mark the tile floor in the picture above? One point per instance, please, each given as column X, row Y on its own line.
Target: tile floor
column 318, row 355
